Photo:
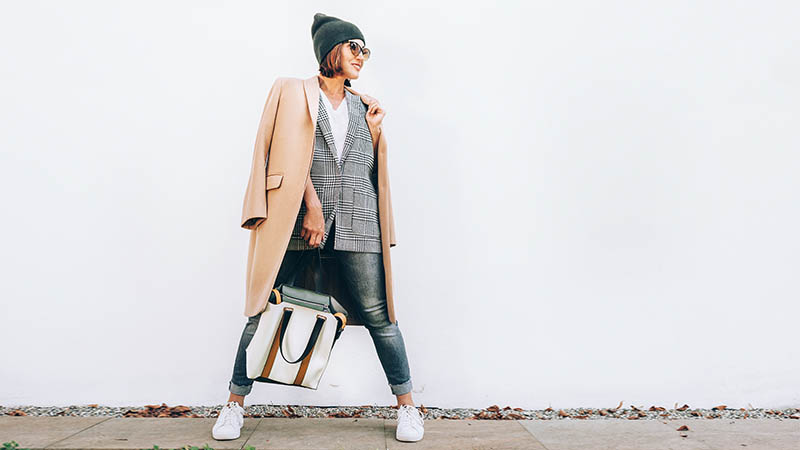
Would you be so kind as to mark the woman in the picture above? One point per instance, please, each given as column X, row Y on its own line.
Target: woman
column 341, row 189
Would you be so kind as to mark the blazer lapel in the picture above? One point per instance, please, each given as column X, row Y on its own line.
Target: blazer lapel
column 352, row 113
column 325, row 127
column 313, row 93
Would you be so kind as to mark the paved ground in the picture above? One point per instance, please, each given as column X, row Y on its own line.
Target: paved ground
column 369, row 433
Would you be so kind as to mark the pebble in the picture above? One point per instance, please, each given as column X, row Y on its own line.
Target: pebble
column 493, row 412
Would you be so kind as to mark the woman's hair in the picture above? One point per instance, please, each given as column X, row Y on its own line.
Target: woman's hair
column 332, row 63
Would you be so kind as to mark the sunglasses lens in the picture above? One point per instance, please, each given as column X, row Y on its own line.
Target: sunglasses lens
column 356, row 49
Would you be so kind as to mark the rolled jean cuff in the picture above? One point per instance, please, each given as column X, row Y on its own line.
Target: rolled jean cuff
column 239, row 390
column 400, row 389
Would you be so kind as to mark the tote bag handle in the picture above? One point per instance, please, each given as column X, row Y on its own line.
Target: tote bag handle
column 287, row 314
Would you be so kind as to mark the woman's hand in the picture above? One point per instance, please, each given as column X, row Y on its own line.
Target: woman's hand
column 313, row 225
column 375, row 113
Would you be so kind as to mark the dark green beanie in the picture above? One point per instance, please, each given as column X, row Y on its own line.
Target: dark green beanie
column 327, row 31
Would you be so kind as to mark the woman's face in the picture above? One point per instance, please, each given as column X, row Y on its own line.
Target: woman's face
column 352, row 65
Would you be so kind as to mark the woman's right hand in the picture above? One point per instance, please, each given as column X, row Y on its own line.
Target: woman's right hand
column 313, row 225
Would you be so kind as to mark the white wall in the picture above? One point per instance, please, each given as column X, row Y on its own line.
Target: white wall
column 595, row 201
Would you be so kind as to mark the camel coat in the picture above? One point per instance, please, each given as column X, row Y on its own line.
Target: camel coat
column 272, row 198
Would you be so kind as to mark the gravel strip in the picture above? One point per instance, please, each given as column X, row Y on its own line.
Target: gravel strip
column 493, row 412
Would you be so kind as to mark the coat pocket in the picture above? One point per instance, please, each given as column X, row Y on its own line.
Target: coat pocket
column 274, row 181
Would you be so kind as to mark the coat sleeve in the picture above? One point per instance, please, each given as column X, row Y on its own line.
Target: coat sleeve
column 254, row 210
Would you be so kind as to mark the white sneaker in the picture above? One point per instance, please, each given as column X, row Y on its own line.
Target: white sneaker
column 229, row 422
column 410, row 426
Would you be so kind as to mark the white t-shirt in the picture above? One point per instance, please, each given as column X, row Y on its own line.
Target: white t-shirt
column 339, row 119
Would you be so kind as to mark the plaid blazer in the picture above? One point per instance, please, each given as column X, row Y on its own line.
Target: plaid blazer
column 347, row 189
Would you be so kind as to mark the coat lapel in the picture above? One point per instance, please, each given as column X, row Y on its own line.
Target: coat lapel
column 311, row 86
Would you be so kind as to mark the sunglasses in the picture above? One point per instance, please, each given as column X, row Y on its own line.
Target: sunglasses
column 356, row 49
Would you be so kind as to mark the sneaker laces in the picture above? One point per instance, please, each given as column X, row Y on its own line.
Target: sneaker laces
column 409, row 415
column 227, row 412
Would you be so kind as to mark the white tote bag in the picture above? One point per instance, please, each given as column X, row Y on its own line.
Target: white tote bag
column 295, row 335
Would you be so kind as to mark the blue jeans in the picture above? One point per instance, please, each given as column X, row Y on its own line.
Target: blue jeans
column 364, row 276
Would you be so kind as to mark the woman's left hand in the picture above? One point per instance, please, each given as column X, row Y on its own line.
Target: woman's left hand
column 375, row 112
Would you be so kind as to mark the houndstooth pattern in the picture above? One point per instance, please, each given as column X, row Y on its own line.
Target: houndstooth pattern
column 347, row 188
